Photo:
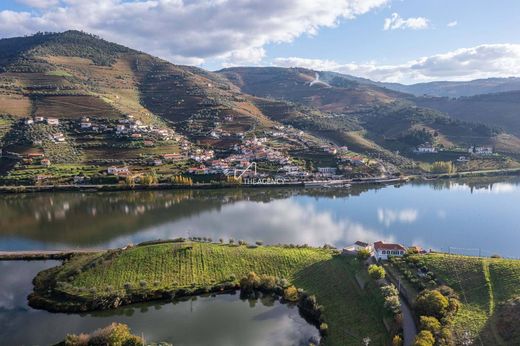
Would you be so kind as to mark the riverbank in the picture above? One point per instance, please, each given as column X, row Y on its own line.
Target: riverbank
column 197, row 186
column 172, row 270
column 343, row 183
column 43, row 255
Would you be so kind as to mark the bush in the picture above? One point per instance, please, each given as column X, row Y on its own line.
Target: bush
column 431, row 303
column 116, row 334
column 250, row 283
column 363, row 254
column 324, row 327
column 431, row 324
column 397, row 340
column 424, row 338
column 291, row 294
column 376, row 272
column 389, row 290
column 393, row 304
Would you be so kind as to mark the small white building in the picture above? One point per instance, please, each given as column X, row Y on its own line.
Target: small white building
column 86, row 125
column 113, row 170
column 52, row 121
column 327, row 170
column 39, row 119
column 480, row 150
column 382, row 251
column 426, row 149
column 29, row 121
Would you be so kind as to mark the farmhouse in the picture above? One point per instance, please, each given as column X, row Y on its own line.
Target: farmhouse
column 357, row 246
column 45, row 162
column 384, row 250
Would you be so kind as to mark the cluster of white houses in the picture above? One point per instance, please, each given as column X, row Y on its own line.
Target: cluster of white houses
column 379, row 250
column 428, row 148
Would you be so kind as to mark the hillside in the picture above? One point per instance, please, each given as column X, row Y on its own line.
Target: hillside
column 458, row 89
column 484, row 286
column 499, row 109
column 355, row 112
column 118, row 106
column 187, row 268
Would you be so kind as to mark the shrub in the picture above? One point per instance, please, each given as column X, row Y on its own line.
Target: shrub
column 267, row 282
column 431, row 324
column 397, row 340
column 116, row 334
column 250, row 282
column 424, row 338
column 393, row 304
column 142, row 283
column 389, row 290
column 363, row 254
column 259, row 243
column 431, row 303
column 324, row 327
column 376, row 272
column 291, row 294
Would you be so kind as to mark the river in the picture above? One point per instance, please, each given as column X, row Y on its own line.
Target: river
column 469, row 216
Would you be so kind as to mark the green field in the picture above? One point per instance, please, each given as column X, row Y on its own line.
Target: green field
column 350, row 312
column 482, row 283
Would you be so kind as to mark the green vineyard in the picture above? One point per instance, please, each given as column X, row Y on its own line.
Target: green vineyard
column 352, row 313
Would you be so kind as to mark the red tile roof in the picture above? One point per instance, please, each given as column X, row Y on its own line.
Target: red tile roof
column 379, row 245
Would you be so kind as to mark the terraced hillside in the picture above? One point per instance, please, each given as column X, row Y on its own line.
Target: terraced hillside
column 351, row 313
column 359, row 113
column 484, row 285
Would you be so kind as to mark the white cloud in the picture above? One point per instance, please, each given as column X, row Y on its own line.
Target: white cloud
column 388, row 216
column 396, row 22
column 484, row 61
column 280, row 221
column 452, row 24
column 230, row 30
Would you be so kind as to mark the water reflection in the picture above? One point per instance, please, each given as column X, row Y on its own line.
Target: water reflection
column 220, row 320
column 439, row 214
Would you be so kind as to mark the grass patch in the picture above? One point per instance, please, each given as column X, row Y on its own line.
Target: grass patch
column 58, row 73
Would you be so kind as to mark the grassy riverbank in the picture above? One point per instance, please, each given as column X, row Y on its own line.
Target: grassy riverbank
column 160, row 270
column 483, row 284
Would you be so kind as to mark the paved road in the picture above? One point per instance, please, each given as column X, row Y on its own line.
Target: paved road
column 409, row 329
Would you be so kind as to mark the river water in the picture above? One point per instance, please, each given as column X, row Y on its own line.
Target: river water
column 222, row 320
column 469, row 216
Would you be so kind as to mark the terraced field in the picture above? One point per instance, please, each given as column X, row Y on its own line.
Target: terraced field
column 351, row 313
column 482, row 283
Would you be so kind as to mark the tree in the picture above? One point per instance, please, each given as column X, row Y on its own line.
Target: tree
column 424, row 338
column 432, row 303
column 363, row 254
column 442, row 167
column 431, row 324
column 397, row 340
column 291, row 294
column 376, row 272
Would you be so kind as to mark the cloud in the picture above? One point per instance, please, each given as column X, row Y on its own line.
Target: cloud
column 484, row 61
column 452, row 24
column 396, row 22
column 287, row 222
column 388, row 216
column 234, row 31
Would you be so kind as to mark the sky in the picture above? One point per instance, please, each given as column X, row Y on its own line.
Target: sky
column 405, row 41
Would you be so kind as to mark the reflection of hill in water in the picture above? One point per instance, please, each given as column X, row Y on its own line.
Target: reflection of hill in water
column 93, row 218
column 87, row 219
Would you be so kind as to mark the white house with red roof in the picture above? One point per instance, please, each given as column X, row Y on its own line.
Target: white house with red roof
column 384, row 250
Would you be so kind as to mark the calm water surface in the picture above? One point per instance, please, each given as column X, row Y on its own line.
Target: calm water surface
column 471, row 214
column 224, row 320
